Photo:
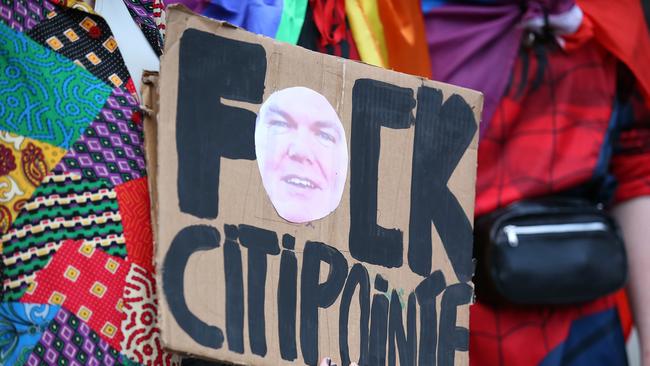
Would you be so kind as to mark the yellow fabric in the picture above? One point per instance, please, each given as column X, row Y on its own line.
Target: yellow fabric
column 80, row 5
column 25, row 162
column 367, row 31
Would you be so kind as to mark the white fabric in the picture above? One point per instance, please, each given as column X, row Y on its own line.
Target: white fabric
column 136, row 51
column 562, row 24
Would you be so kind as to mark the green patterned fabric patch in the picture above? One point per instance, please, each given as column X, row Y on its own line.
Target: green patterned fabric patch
column 63, row 207
column 43, row 95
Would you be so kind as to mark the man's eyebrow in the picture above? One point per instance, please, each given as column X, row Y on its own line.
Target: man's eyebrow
column 281, row 111
column 331, row 124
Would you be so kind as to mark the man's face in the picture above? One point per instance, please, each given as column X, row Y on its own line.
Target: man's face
column 302, row 154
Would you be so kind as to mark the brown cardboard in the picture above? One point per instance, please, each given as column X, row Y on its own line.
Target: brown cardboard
column 191, row 262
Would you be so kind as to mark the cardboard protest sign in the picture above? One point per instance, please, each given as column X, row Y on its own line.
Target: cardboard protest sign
column 309, row 206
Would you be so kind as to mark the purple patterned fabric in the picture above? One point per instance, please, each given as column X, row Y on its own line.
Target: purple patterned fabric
column 111, row 147
column 142, row 13
column 70, row 341
column 474, row 45
column 23, row 15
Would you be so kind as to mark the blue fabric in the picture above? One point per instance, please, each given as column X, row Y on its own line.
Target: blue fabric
column 430, row 4
column 603, row 179
column 594, row 340
column 602, row 174
column 21, row 327
column 257, row 16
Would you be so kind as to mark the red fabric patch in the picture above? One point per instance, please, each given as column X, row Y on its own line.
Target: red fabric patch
column 133, row 199
column 633, row 174
column 141, row 333
column 130, row 86
column 622, row 28
column 87, row 282
column 631, row 163
column 95, row 32
column 624, row 312
column 136, row 117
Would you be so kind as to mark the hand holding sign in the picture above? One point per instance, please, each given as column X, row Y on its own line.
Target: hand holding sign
column 328, row 362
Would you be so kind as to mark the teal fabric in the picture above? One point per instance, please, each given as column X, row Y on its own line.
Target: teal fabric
column 43, row 95
column 293, row 16
column 21, row 327
column 125, row 361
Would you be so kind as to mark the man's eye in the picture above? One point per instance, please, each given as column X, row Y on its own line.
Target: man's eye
column 326, row 137
column 277, row 123
column 278, row 127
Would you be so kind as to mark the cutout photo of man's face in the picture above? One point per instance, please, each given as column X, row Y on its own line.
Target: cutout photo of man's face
column 302, row 154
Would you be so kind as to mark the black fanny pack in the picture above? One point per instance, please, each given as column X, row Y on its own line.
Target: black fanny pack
column 549, row 251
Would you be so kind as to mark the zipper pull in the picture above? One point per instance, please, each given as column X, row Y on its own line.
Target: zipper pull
column 511, row 233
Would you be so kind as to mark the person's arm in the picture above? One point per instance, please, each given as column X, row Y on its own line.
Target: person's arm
column 633, row 217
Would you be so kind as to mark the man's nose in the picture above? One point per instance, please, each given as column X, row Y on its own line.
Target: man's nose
column 299, row 150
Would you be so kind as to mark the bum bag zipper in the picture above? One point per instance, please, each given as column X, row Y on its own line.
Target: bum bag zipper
column 512, row 231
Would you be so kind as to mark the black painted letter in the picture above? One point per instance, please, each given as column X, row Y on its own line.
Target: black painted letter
column 234, row 290
column 452, row 338
column 287, row 300
column 314, row 295
column 358, row 277
column 221, row 68
column 374, row 104
column 426, row 293
column 188, row 241
column 407, row 342
column 260, row 243
column 379, row 324
column 442, row 133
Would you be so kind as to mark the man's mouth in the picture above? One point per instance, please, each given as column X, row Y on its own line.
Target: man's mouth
column 300, row 182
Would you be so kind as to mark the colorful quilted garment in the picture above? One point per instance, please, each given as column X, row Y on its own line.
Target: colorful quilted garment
column 73, row 192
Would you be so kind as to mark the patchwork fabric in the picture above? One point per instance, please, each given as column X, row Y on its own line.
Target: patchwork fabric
column 127, row 361
column 75, row 4
column 64, row 207
column 133, row 198
column 159, row 16
column 141, row 333
column 21, row 326
column 112, row 146
column 23, row 15
column 23, row 165
column 70, row 341
column 86, row 39
column 43, row 95
column 142, row 12
column 87, row 282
